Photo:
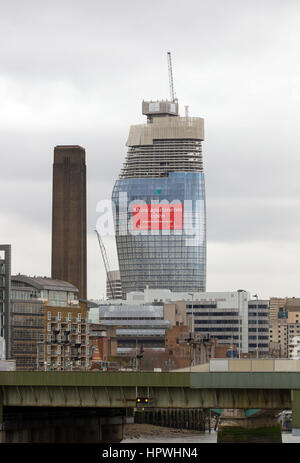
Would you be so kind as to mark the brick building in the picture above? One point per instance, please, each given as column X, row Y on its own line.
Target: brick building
column 103, row 344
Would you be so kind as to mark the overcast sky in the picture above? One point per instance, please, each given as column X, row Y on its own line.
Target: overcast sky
column 76, row 72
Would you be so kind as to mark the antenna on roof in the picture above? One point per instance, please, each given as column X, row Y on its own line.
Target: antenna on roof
column 171, row 83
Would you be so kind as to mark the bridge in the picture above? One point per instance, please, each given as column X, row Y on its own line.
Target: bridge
column 93, row 406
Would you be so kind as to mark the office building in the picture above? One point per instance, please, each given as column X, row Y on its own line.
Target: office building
column 69, row 217
column 230, row 317
column 135, row 326
column 258, row 327
column 48, row 325
column 159, row 203
column 5, row 281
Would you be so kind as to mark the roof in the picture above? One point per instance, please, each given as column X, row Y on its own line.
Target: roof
column 136, row 323
column 130, row 311
column 44, row 283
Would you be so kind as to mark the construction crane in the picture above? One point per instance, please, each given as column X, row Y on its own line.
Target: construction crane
column 106, row 263
column 172, row 93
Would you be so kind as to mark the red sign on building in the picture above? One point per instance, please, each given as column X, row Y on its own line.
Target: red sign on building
column 157, row 216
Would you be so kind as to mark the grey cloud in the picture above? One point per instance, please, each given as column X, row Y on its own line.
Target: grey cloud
column 75, row 72
column 242, row 220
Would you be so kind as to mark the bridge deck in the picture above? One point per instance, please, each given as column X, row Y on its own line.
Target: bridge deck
column 205, row 380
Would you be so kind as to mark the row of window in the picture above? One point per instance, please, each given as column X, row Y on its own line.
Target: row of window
column 49, row 315
column 214, row 322
column 216, row 329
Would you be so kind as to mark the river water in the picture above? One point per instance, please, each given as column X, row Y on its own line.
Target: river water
column 197, row 438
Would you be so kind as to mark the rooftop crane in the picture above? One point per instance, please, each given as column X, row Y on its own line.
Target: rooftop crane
column 106, row 263
column 172, row 93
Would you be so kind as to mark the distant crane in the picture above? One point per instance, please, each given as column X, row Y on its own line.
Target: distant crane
column 106, row 263
column 172, row 93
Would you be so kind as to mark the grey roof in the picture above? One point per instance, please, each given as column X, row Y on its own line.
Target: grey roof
column 132, row 349
column 148, row 323
column 147, row 332
column 44, row 283
column 131, row 311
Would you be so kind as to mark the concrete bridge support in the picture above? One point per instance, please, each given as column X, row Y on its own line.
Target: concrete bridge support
column 235, row 427
column 296, row 412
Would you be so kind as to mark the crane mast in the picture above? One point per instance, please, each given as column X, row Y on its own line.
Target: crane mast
column 172, row 94
column 106, row 263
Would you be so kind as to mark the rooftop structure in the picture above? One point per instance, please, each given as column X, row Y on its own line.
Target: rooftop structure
column 167, row 144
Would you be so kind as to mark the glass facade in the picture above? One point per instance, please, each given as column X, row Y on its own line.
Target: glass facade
column 163, row 258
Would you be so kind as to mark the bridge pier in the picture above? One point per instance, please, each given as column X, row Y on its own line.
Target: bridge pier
column 296, row 412
column 235, row 427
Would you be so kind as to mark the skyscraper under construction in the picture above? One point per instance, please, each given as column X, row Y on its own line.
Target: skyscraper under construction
column 159, row 199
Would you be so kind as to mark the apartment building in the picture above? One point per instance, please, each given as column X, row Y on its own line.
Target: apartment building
column 48, row 325
column 285, row 330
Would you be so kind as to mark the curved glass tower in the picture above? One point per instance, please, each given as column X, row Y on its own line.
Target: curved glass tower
column 159, row 200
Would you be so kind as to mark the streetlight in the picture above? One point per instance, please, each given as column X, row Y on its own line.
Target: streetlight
column 256, row 296
column 193, row 321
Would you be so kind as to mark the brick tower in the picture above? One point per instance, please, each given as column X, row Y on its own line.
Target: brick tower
column 69, row 217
